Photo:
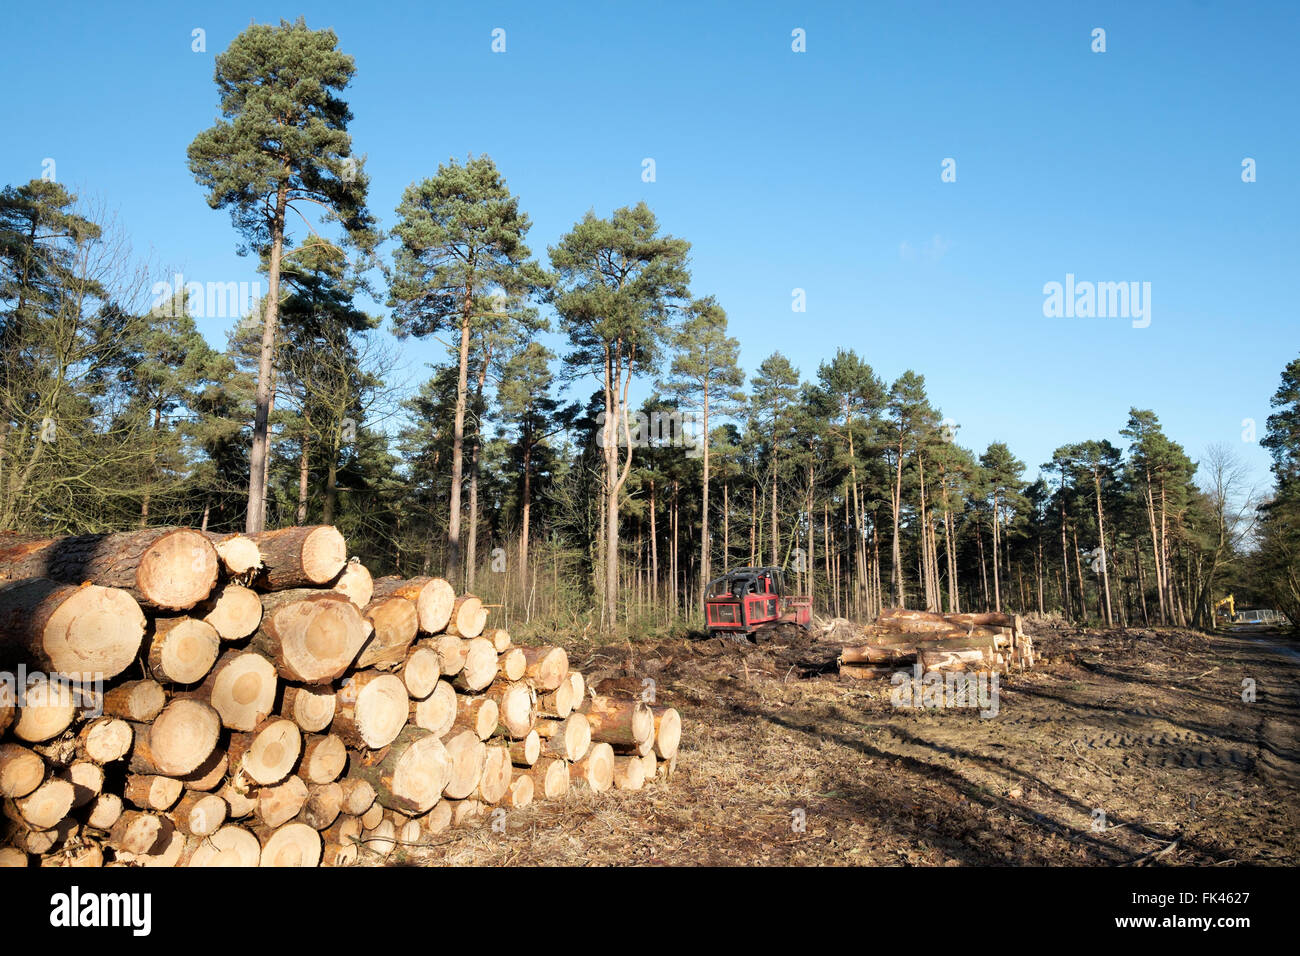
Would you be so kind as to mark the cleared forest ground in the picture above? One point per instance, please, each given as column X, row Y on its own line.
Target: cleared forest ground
column 1147, row 726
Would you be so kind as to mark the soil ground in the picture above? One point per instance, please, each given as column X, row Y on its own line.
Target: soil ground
column 1121, row 747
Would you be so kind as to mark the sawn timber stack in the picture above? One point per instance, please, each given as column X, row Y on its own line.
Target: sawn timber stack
column 903, row 639
column 259, row 700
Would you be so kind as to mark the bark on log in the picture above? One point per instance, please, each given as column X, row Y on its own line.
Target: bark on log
column 138, row 700
column 622, row 721
column 279, row 804
column 61, row 628
column 547, row 666
column 310, row 636
column 867, row 671
column 875, row 654
column 524, row 753
column 169, row 569
column 396, row 625
column 199, row 814
column 323, row 806
column 307, row 556
column 182, row 649
column 433, row 599
column 409, row 775
column 372, row 710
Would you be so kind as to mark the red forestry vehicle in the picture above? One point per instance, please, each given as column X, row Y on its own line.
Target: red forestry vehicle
column 750, row 604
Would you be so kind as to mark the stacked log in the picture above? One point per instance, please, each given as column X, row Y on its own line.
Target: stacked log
column 901, row 638
column 260, row 700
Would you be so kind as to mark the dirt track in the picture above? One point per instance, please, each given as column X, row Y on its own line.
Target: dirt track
column 1146, row 728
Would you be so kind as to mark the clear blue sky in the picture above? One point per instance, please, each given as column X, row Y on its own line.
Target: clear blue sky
column 818, row 170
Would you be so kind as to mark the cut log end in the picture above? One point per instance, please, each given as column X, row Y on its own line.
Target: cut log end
column 178, row 570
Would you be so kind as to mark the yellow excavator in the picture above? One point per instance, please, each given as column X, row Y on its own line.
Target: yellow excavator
column 1224, row 618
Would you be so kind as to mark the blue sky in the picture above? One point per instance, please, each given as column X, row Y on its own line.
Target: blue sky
column 817, row 170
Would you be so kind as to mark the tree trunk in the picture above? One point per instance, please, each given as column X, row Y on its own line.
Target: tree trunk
column 259, row 456
column 164, row 569
column 458, row 440
column 704, row 505
column 69, row 630
column 297, row 557
column 1105, row 561
column 304, row 448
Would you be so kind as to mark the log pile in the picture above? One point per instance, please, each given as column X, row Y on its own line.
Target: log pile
column 902, row 639
column 259, row 700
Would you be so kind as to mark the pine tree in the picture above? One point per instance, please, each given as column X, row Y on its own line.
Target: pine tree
column 774, row 389
column 282, row 144
column 461, row 257
column 705, row 377
column 619, row 281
